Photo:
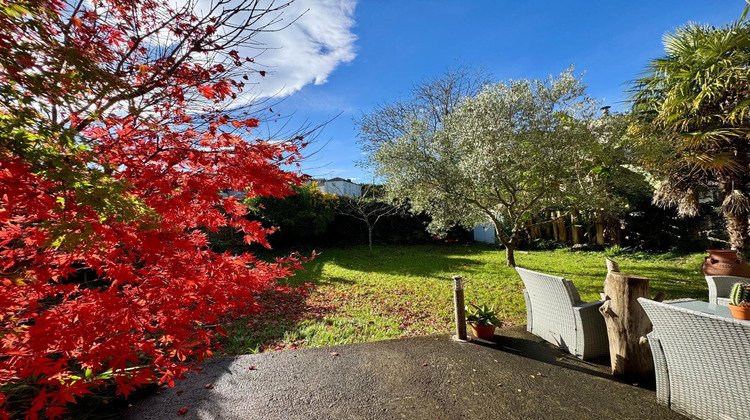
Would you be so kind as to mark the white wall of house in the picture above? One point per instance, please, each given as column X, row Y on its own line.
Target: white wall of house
column 341, row 187
column 485, row 233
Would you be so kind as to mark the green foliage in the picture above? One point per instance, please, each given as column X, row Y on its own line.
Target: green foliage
column 542, row 244
column 398, row 229
column 691, row 109
column 299, row 218
column 504, row 152
column 616, row 251
column 311, row 219
column 740, row 294
column 674, row 232
column 483, row 315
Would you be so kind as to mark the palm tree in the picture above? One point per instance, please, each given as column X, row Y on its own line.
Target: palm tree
column 692, row 119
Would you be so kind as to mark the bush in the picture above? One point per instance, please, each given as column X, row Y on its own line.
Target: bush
column 299, row 218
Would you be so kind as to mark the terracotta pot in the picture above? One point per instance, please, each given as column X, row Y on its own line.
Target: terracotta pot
column 725, row 262
column 740, row 312
column 485, row 332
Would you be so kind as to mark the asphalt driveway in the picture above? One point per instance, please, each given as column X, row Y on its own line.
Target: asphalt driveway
column 434, row 377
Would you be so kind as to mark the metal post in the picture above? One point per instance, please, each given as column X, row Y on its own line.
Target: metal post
column 459, row 308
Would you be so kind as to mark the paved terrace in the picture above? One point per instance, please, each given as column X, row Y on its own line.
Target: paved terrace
column 517, row 377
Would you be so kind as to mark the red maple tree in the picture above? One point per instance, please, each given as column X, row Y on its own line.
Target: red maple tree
column 117, row 135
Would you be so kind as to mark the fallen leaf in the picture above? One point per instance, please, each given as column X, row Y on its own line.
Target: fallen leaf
column 533, row 376
column 182, row 411
column 209, row 386
column 334, row 354
column 424, row 364
column 180, row 392
column 251, row 368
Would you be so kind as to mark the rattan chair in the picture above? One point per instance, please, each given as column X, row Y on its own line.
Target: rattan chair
column 701, row 361
column 720, row 286
column 555, row 312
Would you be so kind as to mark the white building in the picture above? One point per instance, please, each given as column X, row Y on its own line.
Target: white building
column 339, row 186
column 485, row 233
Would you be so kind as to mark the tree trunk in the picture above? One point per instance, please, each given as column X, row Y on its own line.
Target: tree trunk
column 510, row 247
column 510, row 258
column 562, row 231
column 737, row 228
column 555, row 227
column 627, row 325
column 369, row 235
column 599, row 229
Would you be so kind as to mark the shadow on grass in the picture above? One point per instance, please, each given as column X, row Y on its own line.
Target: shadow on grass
column 279, row 314
column 414, row 260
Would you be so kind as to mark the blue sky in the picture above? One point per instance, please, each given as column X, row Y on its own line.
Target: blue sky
column 372, row 52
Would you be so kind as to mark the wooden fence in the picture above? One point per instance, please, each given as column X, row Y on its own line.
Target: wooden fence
column 574, row 227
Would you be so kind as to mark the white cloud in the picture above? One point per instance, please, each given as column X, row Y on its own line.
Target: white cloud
column 307, row 51
column 316, row 41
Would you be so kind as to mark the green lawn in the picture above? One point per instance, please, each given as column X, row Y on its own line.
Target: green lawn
column 398, row 291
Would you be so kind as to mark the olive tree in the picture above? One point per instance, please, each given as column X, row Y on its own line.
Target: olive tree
column 505, row 153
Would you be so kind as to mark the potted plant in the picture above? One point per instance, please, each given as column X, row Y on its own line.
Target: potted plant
column 740, row 301
column 483, row 321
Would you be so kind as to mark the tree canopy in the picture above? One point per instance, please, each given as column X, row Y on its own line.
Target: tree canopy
column 692, row 110
column 117, row 134
column 501, row 153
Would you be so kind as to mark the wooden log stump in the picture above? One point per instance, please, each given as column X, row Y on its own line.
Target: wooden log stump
column 627, row 325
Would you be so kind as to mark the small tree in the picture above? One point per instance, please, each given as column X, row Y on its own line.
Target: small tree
column 509, row 152
column 370, row 207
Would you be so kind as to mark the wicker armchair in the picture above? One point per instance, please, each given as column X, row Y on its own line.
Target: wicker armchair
column 554, row 312
column 701, row 361
column 720, row 286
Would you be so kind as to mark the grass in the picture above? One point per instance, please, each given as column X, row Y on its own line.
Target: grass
column 354, row 295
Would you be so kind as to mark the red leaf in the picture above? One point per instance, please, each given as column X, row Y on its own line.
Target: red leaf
column 105, row 259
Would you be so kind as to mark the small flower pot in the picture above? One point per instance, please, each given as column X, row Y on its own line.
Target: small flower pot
column 485, row 332
column 740, row 312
